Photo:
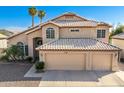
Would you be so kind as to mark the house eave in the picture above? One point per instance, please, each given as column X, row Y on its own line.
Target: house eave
column 118, row 38
column 22, row 32
column 75, row 50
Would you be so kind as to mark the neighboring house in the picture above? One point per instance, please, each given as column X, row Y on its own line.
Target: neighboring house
column 70, row 42
column 3, row 43
column 118, row 40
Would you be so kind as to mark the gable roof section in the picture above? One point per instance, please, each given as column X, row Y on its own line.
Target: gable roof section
column 50, row 22
column 83, row 22
column 119, row 36
column 68, row 13
column 71, row 23
column 85, row 44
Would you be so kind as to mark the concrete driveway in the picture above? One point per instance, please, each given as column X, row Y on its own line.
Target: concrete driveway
column 79, row 78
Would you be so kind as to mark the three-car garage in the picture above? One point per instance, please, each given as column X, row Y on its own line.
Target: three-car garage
column 79, row 61
column 79, row 54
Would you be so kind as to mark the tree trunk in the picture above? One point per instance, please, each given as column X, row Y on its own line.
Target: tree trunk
column 32, row 21
column 40, row 20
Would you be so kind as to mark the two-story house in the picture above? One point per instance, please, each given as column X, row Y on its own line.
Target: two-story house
column 70, row 42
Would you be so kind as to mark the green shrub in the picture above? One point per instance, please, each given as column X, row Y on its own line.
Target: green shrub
column 12, row 53
column 4, row 58
column 39, row 65
column 29, row 59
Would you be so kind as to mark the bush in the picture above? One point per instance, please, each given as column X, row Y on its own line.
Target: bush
column 12, row 53
column 4, row 58
column 39, row 66
column 29, row 59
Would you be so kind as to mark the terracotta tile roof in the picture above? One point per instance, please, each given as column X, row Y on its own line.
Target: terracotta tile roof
column 69, row 13
column 77, row 44
column 76, row 23
column 119, row 36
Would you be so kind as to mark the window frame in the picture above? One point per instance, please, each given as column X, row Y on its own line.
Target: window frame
column 50, row 33
column 22, row 46
column 101, row 33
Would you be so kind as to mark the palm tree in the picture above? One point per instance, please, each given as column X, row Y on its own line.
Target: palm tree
column 41, row 14
column 32, row 11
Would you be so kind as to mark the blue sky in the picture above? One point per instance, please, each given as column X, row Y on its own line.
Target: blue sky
column 17, row 18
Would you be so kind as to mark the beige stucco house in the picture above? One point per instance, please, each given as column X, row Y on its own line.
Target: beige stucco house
column 118, row 40
column 70, row 42
column 3, row 43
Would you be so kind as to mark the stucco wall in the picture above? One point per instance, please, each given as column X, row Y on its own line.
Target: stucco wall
column 18, row 38
column 37, row 33
column 119, row 43
column 83, row 33
column 44, row 28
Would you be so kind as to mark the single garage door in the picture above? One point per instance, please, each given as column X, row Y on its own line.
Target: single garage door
column 62, row 61
column 102, row 62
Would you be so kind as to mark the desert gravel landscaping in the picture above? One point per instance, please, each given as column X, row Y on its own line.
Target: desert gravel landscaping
column 12, row 75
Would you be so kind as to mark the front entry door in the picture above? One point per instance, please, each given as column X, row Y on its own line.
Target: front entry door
column 36, row 43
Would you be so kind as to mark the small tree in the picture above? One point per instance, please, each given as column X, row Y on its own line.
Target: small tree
column 119, row 29
column 13, row 53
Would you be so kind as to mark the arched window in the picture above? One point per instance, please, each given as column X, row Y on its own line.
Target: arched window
column 20, row 44
column 23, row 47
column 50, row 33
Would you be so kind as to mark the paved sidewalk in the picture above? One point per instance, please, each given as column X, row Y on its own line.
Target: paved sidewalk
column 32, row 73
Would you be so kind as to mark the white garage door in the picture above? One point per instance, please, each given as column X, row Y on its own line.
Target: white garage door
column 62, row 61
column 102, row 62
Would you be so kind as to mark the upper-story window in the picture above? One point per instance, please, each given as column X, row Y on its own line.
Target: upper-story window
column 74, row 30
column 101, row 33
column 50, row 33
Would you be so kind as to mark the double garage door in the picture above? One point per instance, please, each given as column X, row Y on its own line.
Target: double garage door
column 76, row 61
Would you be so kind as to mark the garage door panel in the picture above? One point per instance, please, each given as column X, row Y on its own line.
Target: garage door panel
column 102, row 62
column 62, row 61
